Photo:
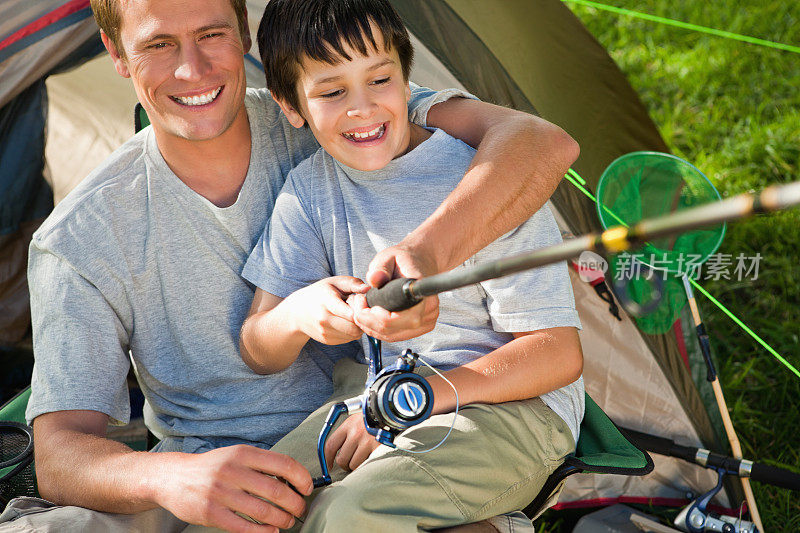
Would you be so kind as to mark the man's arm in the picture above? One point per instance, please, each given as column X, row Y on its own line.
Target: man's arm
column 519, row 162
column 81, row 359
column 77, row 465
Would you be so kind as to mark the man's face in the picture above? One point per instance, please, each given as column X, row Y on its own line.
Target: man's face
column 357, row 109
column 185, row 59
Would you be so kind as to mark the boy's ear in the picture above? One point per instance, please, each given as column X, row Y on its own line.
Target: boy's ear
column 294, row 118
column 120, row 64
column 408, row 91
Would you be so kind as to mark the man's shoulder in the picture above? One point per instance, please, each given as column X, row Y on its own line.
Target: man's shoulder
column 110, row 194
column 313, row 170
column 259, row 103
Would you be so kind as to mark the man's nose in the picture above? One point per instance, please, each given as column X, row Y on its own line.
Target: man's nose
column 192, row 64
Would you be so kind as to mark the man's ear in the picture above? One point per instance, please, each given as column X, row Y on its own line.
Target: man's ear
column 247, row 42
column 294, row 118
column 120, row 64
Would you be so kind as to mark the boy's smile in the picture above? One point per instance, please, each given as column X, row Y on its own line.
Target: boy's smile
column 356, row 109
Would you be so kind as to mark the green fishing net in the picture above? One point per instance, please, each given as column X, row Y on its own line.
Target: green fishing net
column 644, row 185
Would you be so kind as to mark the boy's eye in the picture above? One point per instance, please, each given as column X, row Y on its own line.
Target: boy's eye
column 332, row 94
column 381, row 81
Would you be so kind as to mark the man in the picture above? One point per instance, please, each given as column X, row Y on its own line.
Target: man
column 145, row 256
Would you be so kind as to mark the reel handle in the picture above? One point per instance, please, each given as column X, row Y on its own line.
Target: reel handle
column 394, row 296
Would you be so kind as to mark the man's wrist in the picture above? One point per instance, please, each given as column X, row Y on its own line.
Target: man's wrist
column 420, row 244
column 155, row 475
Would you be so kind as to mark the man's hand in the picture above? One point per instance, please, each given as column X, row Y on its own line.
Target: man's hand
column 321, row 311
column 350, row 444
column 209, row 488
column 396, row 262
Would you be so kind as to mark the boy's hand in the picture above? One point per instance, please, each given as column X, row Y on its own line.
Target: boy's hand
column 395, row 262
column 350, row 444
column 321, row 312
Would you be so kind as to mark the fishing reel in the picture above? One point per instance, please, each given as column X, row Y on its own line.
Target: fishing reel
column 695, row 518
column 394, row 399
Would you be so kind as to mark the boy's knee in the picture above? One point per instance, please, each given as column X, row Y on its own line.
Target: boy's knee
column 338, row 508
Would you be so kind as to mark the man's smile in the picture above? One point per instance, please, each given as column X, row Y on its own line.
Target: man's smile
column 198, row 99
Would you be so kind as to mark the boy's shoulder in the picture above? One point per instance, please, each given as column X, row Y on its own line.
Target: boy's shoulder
column 318, row 165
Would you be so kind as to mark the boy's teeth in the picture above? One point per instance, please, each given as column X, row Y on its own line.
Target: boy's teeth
column 378, row 131
column 201, row 99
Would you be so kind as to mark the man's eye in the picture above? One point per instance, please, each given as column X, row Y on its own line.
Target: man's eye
column 332, row 94
column 208, row 35
column 157, row 46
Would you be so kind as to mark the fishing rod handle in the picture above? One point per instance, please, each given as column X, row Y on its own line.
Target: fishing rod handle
column 773, row 475
column 394, row 296
column 780, row 477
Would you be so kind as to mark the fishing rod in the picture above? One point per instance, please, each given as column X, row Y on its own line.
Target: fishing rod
column 404, row 293
column 395, row 398
column 696, row 518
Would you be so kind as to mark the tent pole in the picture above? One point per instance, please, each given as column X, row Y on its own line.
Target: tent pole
column 712, row 377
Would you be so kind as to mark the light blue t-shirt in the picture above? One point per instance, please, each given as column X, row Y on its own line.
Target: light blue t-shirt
column 134, row 267
column 330, row 220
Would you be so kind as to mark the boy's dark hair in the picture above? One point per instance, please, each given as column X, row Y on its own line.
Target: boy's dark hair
column 319, row 29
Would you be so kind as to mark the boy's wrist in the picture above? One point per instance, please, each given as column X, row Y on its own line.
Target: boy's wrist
column 444, row 400
column 294, row 313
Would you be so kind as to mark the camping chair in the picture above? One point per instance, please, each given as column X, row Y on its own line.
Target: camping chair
column 16, row 450
column 602, row 449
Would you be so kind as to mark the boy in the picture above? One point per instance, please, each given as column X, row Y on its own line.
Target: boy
column 509, row 346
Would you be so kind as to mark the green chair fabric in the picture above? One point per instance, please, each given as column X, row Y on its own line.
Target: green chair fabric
column 14, row 409
column 140, row 118
column 602, row 449
column 17, row 476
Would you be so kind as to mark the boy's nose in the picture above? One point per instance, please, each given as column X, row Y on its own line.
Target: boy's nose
column 361, row 106
column 192, row 64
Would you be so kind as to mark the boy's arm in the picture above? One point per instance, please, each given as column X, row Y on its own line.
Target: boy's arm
column 520, row 161
column 276, row 329
column 532, row 364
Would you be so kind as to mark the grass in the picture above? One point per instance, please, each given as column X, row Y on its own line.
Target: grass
column 733, row 110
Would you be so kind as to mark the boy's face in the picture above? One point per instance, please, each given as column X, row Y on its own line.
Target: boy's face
column 357, row 109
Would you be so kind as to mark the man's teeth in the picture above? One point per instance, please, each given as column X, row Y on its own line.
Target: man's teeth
column 201, row 99
column 377, row 133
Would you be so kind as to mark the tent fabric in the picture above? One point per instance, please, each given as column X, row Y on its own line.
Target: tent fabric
column 58, row 34
column 36, row 39
column 565, row 76
column 534, row 56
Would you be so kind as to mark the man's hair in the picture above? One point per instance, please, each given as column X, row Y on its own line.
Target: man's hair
column 319, row 30
column 108, row 14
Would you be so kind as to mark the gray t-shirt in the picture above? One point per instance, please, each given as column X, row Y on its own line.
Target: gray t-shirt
column 135, row 266
column 330, row 220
